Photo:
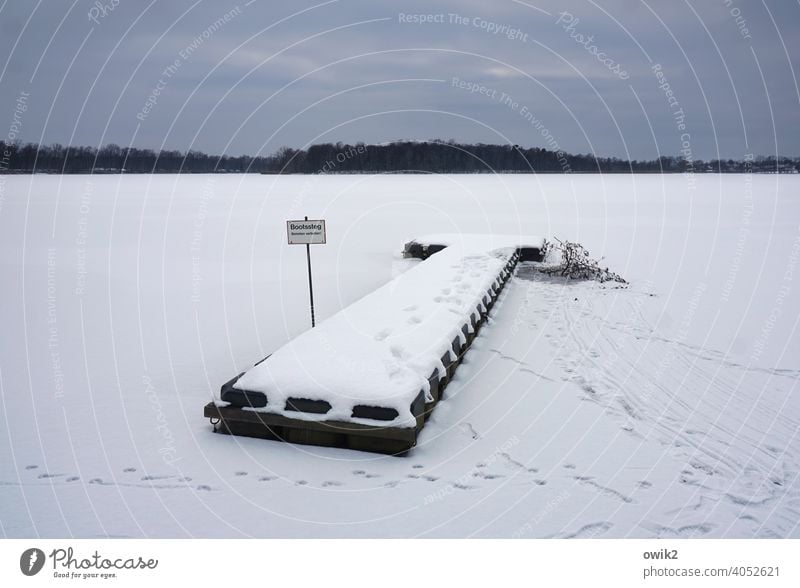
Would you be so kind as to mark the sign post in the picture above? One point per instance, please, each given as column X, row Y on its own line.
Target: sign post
column 307, row 232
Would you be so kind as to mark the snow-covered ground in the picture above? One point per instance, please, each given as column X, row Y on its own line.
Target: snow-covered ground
column 670, row 408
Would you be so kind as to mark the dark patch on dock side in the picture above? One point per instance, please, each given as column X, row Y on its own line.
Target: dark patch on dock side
column 307, row 405
column 375, row 413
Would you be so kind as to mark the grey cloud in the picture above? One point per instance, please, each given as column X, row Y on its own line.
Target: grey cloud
column 224, row 81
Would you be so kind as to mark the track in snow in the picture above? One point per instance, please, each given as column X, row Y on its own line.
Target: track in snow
column 733, row 426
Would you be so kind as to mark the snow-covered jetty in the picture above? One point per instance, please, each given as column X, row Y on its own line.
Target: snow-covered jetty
column 367, row 377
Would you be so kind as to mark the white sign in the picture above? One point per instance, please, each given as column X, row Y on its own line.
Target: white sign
column 306, row 232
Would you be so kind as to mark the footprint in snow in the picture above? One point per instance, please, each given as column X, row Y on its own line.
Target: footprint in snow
column 48, row 476
column 430, row 478
column 590, row 530
column 569, row 466
column 368, row 476
column 414, row 320
column 487, row 476
column 703, row 467
column 329, row 483
column 382, row 335
column 517, row 464
column 204, row 488
column 469, row 430
column 73, row 479
column 463, row 486
column 267, row 478
column 644, row 484
column 418, row 466
column 240, row 474
column 359, row 472
column 301, row 483
column 129, row 470
column 686, row 530
column 410, row 308
column 397, row 351
column 31, row 467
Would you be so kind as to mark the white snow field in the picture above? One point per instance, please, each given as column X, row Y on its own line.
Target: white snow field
column 666, row 409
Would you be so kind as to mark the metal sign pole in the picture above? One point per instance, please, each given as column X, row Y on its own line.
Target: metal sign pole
column 308, row 233
column 310, row 284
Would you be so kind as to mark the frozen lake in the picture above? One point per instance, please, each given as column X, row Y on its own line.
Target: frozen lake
column 670, row 408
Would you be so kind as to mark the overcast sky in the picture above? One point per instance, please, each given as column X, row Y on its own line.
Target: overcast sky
column 249, row 76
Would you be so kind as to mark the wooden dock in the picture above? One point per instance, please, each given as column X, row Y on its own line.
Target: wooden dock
column 242, row 412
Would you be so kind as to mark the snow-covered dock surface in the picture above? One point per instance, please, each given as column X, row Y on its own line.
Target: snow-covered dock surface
column 667, row 409
column 481, row 242
column 382, row 349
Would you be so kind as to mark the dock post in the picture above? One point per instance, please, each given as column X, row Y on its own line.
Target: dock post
column 310, row 284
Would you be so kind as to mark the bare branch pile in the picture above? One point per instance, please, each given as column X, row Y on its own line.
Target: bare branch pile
column 575, row 263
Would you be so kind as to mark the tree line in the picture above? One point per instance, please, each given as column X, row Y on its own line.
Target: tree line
column 395, row 157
